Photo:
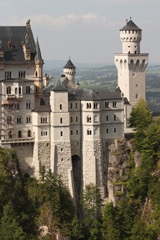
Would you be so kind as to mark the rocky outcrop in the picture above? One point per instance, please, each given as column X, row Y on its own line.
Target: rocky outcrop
column 120, row 151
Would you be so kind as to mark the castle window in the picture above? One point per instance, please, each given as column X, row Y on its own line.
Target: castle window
column 61, row 133
column 16, row 90
column 29, row 133
column 71, row 119
column 106, row 104
column 28, row 90
column 60, row 106
column 89, row 132
column 19, row 134
column 21, row 74
column 43, row 119
column 36, row 74
column 9, row 120
column 44, row 132
column 88, row 119
column 95, row 105
column 76, row 132
column 115, row 117
column 114, row 104
column 8, row 90
column 115, row 130
column 11, row 106
column 136, row 96
column 76, row 119
column 61, row 120
column 107, row 130
column 28, row 105
column 107, row 118
column 17, row 106
column 96, row 118
column 20, row 90
column 71, row 132
column 28, row 119
column 137, row 85
column 133, row 74
column 19, row 119
column 88, row 105
column 76, row 105
column 8, row 74
column 71, row 105
column 10, row 134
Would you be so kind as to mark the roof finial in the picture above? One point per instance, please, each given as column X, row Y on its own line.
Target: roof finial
column 126, row 21
column 130, row 18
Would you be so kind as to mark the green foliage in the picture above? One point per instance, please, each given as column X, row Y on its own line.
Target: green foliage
column 140, row 116
column 10, row 226
column 91, row 202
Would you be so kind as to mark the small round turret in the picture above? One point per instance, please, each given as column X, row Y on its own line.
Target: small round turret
column 130, row 36
column 70, row 71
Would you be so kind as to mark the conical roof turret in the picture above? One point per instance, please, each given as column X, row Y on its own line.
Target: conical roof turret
column 69, row 64
column 130, row 25
column 38, row 56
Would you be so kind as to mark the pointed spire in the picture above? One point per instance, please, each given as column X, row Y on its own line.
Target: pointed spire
column 69, row 64
column 38, row 52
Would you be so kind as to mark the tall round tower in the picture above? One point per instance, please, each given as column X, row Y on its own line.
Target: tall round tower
column 70, row 71
column 131, row 63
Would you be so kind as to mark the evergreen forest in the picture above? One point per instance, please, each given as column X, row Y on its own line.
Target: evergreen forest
column 44, row 209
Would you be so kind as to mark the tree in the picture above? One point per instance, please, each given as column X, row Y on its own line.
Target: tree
column 91, row 203
column 110, row 227
column 140, row 116
column 10, row 227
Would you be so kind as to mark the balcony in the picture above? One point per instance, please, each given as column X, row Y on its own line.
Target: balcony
column 13, row 96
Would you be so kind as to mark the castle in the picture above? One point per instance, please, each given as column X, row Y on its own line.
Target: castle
column 52, row 122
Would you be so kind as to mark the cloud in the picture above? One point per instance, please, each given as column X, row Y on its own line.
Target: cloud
column 63, row 22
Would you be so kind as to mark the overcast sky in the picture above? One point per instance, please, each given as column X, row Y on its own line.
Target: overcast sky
column 85, row 30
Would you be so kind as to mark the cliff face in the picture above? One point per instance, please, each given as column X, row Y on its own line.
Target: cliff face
column 119, row 156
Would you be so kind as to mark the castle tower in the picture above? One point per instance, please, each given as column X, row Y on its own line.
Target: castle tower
column 131, row 63
column 38, row 75
column 70, row 71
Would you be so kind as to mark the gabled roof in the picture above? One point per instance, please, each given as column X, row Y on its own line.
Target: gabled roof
column 69, row 64
column 130, row 25
column 15, row 36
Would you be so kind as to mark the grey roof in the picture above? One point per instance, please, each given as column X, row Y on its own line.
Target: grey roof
column 16, row 35
column 42, row 108
column 69, row 64
column 56, row 84
column 38, row 52
column 130, row 25
column 92, row 95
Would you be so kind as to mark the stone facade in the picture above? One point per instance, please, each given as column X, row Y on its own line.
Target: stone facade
column 57, row 124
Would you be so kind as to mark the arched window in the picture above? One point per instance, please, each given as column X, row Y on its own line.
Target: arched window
column 28, row 119
column 9, row 120
column 28, row 90
column 44, row 119
column 20, row 90
column 44, row 132
column 8, row 90
column 15, row 90
column 28, row 105
column 19, row 119
column 89, row 132
column 29, row 133
column 19, row 134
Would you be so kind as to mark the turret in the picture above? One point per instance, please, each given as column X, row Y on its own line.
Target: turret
column 38, row 75
column 130, row 36
column 70, row 71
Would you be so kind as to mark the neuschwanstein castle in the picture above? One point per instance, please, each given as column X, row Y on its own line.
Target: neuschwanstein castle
column 52, row 122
